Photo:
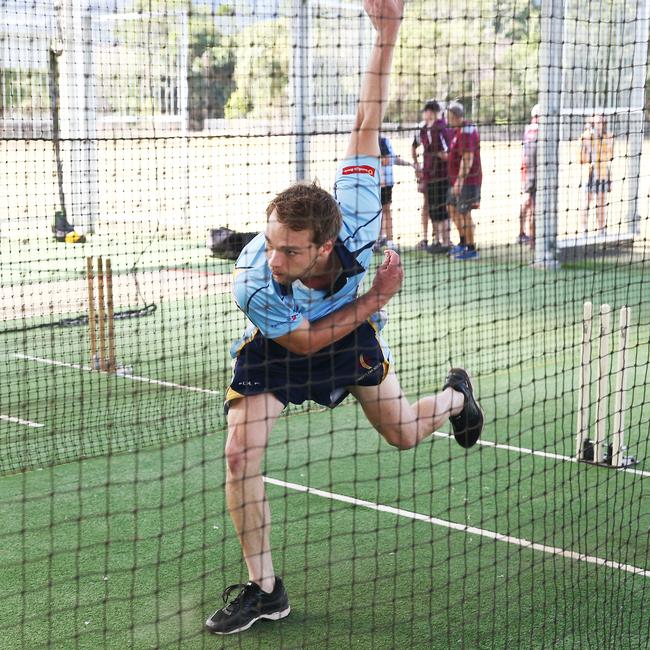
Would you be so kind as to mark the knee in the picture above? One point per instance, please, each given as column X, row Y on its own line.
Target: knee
column 235, row 457
column 241, row 459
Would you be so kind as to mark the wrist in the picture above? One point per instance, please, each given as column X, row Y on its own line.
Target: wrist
column 371, row 301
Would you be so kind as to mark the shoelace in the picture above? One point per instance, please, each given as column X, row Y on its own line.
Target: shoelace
column 228, row 590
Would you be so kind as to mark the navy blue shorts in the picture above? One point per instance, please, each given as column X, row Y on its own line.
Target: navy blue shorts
column 263, row 366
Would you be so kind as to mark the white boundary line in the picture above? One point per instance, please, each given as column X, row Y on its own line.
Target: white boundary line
column 27, row 423
column 439, row 434
column 541, row 454
column 126, row 375
column 472, row 530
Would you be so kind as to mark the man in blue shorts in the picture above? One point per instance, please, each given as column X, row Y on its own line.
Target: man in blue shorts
column 312, row 336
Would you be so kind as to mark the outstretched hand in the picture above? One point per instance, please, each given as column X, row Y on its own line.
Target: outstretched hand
column 388, row 279
column 386, row 17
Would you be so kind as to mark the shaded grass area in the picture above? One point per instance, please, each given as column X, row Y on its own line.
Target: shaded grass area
column 132, row 547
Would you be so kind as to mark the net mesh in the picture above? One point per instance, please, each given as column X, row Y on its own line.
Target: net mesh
column 154, row 134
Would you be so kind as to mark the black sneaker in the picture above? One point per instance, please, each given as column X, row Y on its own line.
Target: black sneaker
column 250, row 605
column 468, row 424
column 437, row 248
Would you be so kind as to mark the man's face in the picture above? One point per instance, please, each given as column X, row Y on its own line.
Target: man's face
column 429, row 116
column 291, row 254
column 599, row 124
column 453, row 119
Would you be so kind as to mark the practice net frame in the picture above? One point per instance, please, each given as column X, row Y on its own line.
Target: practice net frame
column 140, row 130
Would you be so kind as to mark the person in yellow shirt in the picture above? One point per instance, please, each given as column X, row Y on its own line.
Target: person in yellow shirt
column 596, row 155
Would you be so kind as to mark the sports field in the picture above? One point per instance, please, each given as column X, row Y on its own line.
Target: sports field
column 114, row 527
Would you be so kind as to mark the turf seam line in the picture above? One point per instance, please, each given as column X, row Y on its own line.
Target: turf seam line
column 472, row 530
column 27, row 423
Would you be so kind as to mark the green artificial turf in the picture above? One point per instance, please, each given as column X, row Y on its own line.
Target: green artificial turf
column 132, row 546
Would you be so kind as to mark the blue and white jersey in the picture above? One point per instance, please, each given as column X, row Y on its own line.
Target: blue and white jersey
column 275, row 309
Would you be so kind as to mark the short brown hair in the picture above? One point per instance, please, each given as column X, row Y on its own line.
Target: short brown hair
column 307, row 206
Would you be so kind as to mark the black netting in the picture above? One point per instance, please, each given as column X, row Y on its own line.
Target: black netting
column 143, row 142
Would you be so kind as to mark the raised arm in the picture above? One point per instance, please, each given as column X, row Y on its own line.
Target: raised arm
column 386, row 17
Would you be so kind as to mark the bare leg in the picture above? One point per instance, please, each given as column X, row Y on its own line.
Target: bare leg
column 456, row 218
column 402, row 424
column 584, row 213
column 468, row 227
column 445, row 232
column 387, row 220
column 525, row 217
column 442, row 232
column 250, row 420
column 600, row 210
column 425, row 214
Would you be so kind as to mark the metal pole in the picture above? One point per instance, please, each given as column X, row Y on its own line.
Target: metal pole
column 183, row 109
column 550, row 86
column 635, row 119
column 300, row 85
column 89, row 173
column 78, row 115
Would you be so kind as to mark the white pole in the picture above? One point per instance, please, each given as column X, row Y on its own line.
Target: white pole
column 550, row 87
column 602, row 385
column 636, row 120
column 618, row 436
column 300, row 85
column 183, row 110
column 78, row 116
column 584, row 380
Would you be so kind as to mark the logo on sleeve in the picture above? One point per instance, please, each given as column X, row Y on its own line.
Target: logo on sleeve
column 358, row 169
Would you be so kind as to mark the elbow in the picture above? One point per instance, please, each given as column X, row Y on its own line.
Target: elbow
column 306, row 346
column 297, row 345
column 301, row 348
column 310, row 346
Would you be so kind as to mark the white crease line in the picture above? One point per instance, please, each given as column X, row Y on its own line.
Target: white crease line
column 472, row 530
column 440, row 434
column 27, row 423
column 145, row 380
column 541, row 454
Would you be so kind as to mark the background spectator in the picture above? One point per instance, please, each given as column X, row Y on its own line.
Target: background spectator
column 388, row 159
column 529, row 179
column 602, row 154
column 465, row 179
column 586, row 172
column 433, row 137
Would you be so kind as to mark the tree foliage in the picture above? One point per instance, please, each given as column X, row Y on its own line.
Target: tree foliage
column 261, row 72
column 211, row 55
column 482, row 52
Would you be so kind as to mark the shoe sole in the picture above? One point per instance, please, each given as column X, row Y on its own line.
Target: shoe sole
column 273, row 616
column 463, row 435
column 478, row 426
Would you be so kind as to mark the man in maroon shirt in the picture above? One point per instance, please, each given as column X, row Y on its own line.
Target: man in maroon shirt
column 432, row 136
column 465, row 178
